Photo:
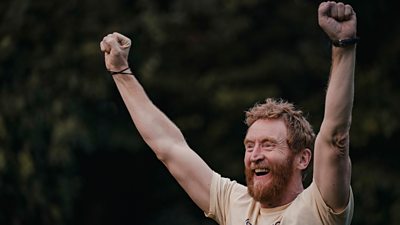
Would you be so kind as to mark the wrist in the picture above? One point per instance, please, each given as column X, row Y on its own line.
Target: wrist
column 126, row 71
column 345, row 43
column 343, row 53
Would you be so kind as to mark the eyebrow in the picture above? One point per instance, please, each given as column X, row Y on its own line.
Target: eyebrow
column 265, row 139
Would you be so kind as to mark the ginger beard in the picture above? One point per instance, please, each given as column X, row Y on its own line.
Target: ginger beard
column 271, row 189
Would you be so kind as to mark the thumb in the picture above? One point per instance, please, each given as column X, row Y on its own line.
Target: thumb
column 122, row 40
column 113, row 44
column 104, row 47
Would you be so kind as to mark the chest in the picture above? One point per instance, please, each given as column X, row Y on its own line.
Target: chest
column 288, row 216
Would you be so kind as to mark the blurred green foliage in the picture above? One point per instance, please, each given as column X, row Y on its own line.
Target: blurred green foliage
column 69, row 153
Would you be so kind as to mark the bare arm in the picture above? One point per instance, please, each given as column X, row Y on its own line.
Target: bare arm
column 159, row 132
column 332, row 166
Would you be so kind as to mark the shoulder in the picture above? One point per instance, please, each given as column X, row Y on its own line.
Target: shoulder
column 228, row 187
column 228, row 199
column 310, row 207
column 313, row 195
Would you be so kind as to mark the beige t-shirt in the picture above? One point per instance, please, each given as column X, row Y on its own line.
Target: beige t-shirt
column 230, row 204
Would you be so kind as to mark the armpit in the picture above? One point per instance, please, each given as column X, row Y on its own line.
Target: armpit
column 341, row 142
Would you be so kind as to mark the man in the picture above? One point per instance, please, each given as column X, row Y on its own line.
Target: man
column 278, row 143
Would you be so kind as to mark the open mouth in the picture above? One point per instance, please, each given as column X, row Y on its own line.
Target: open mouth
column 261, row 171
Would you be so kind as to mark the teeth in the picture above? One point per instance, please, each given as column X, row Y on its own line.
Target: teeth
column 261, row 170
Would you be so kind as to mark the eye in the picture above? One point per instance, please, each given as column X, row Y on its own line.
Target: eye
column 249, row 146
column 268, row 145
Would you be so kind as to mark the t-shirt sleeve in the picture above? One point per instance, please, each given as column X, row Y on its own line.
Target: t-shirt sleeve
column 328, row 215
column 220, row 191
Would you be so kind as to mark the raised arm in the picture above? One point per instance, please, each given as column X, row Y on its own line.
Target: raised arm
column 332, row 166
column 160, row 133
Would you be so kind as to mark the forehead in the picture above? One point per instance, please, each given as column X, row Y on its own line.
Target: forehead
column 271, row 128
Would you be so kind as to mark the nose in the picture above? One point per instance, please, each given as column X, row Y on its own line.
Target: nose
column 257, row 154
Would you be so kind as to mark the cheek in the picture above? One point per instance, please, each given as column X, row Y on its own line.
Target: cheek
column 277, row 155
column 246, row 159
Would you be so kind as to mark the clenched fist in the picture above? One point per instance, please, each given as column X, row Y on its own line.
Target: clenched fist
column 337, row 20
column 116, row 51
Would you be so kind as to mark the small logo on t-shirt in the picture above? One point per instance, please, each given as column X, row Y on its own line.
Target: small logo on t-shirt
column 247, row 222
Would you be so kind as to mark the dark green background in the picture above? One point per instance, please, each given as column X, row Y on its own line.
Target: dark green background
column 69, row 153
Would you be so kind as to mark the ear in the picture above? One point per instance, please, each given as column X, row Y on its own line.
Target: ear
column 303, row 158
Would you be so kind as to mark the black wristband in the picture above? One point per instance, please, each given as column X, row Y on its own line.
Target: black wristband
column 121, row 72
column 345, row 42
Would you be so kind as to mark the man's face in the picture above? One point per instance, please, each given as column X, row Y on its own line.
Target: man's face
column 268, row 160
